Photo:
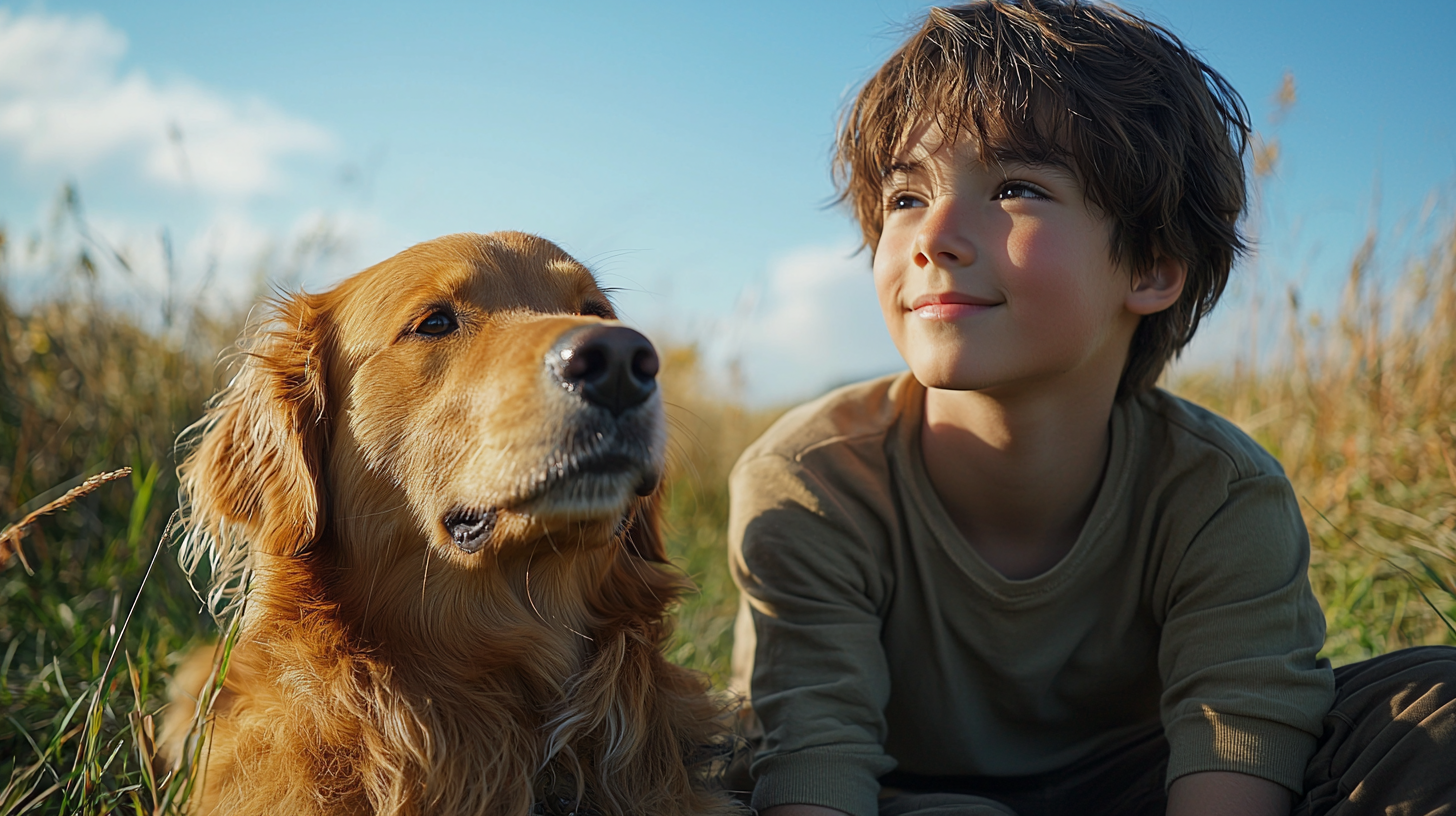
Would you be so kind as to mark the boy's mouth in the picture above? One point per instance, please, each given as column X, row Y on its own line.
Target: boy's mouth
column 950, row 306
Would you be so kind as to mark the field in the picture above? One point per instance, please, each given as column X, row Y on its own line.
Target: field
column 1360, row 406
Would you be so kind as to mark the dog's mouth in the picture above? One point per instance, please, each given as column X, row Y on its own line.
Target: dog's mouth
column 607, row 463
column 471, row 529
column 581, row 487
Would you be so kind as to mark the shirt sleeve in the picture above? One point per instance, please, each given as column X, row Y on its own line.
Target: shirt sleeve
column 818, row 675
column 1243, row 689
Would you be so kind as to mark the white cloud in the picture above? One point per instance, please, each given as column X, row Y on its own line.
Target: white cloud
column 65, row 102
column 816, row 324
column 225, row 266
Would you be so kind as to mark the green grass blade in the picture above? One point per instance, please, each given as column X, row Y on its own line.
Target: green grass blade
column 141, row 502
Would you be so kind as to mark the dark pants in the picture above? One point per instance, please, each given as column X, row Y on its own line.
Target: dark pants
column 1389, row 747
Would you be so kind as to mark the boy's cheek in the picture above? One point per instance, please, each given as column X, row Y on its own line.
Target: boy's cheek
column 887, row 289
column 895, row 324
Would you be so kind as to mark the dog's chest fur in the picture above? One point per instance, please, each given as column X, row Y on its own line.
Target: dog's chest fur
column 354, row 731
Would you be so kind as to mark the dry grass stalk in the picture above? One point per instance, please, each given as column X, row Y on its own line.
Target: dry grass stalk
column 1361, row 411
column 15, row 533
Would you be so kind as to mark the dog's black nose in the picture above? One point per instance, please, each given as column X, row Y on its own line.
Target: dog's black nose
column 611, row 366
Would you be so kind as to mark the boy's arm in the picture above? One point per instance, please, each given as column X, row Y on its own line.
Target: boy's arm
column 1211, row 793
column 1243, row 691
column 1218, row 793
column 804, row 556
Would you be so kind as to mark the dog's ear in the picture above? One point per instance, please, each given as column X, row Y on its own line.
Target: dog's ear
column 257, row 465
column 643, row 537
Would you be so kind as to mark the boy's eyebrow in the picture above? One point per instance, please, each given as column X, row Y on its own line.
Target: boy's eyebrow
column 901, row 167
column 1000, row 161
column 1047, row 162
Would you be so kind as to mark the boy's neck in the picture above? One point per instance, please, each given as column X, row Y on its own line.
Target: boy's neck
column 1018, row 471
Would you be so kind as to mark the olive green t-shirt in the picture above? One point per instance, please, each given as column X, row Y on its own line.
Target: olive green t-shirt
column 872, row 636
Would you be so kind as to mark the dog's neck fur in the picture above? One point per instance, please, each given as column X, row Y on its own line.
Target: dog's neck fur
column 397, row 692
column 407, row 609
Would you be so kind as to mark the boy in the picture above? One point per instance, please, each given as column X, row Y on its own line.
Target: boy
column 1018, row 578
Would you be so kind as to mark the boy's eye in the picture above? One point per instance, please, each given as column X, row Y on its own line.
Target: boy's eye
column 1018, row 189
column 905, row 201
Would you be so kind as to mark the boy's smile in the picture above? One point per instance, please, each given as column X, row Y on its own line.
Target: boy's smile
column 950, row 306
column 994, row 275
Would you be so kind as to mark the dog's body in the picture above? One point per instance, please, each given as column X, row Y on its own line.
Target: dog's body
column 440, row 475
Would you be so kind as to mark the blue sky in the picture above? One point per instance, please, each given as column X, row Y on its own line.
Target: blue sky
column 681, row 149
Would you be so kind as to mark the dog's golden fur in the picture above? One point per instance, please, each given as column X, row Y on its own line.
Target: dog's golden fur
column 383, row 668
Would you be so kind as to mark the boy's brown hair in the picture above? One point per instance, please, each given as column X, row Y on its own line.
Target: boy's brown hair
column 1154, row 134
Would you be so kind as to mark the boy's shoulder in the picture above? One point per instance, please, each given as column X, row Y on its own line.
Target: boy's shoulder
column 862, row 419
column 1187, row 435
column 862, row 411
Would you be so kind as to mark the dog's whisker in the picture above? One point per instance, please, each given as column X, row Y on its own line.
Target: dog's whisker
column 580, row 634
column 425, row 579
column 529, row 599
column 374, row 578
column 386, row 511
column 632, row 563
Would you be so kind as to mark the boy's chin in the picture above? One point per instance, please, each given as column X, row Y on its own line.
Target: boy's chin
column 948, row 377
column 950, row 366
column 960, row 374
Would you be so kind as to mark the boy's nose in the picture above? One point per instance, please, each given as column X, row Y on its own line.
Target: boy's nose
column 943, row 239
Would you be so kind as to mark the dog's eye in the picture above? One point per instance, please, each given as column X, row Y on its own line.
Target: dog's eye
column 437, row 324
column 597, row 309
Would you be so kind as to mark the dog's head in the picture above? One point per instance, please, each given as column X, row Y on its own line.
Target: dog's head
column 473, row 396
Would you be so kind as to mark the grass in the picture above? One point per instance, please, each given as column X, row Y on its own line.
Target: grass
column 86, row 390
column 1360, row 408
column 1361, row 411
column 708, row 433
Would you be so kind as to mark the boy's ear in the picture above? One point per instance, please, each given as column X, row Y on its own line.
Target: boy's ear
column 1157, row 287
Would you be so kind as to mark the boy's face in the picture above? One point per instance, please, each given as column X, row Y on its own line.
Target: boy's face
column 999, row 276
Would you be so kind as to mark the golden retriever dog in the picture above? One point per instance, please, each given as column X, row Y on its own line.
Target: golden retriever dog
column 437, row 482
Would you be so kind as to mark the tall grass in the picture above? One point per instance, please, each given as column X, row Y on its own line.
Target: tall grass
column 83, row 388
column 709, row 429
column 1361, row 409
